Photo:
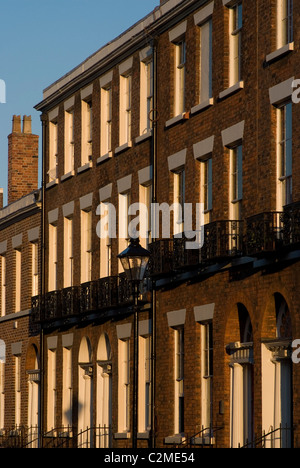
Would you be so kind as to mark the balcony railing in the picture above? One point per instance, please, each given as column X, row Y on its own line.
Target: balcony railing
column 93, row 296
column 69, row 302
column 88, row 297
column 264, row 233
column 291, row 224
column 218, row 240
column 107, row 292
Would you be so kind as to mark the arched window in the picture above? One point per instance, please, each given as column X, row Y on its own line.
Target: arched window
column 283, row 318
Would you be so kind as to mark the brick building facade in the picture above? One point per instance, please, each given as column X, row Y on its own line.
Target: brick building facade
column 192, row 105
column 20, row 224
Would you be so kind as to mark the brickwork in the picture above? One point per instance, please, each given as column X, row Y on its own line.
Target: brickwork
column 226, row 283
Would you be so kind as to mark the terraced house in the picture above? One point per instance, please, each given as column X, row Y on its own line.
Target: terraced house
column 192, row 105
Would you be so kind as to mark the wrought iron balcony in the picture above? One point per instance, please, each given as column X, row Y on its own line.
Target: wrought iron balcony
column 36, row 308
column 291, row 223
column 52, row 306
column 107, row 292
column 125, row 292
column 218, row 240
column 88, row 297
column 70, row 302
column 264, row 233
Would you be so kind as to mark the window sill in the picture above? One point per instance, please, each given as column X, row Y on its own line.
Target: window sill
column 52, row 184
column 143, row 137
column 202, row 106
column 204, row 440
column 143, row 435
column 233, row 89
column 122, row 435
column 85, row 167
column 104, row 157
column 279, row 53
column 124, row 147
column 175, row 120
column 175, row 439
column 67, row 176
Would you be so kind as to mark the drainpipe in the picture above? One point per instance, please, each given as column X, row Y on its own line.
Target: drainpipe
column 44, row 121
column 154, row 198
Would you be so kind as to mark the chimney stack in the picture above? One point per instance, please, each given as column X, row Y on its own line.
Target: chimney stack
column 23, row 150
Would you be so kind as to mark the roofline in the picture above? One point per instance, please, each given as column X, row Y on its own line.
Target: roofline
column 142, row 32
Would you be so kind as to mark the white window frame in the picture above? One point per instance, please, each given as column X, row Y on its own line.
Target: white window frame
column 86, row 131
column 86, row 246
column 68, row 251
column 180, row 78
column 206, row 61
column 145, row 197
column 284, row 155
column 206, row 187
column 125, row 109
column 235, row 43
column 179, row 380
column 145, row 383
column 206, row 374
column 179, row 199
column 51, row 389
column 106, row 120
column 124, row 386
column 236, row 181
column 35, row 268
column 53, row 151
column 124, row 219
column 18, row 279
column 284, row 23
column 146, row 95
column 106, row 242
column 69, row 141
column 67, row 397
column 17, row 390
column 52, row 258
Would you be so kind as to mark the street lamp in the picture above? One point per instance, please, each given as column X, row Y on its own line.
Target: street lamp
column 134, row 260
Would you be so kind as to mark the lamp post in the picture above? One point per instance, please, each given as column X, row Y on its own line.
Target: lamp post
column 134, row 260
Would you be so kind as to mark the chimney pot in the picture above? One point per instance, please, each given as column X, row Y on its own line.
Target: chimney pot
column 16, row 127
column 27, row 124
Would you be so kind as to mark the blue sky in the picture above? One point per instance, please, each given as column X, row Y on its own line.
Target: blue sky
column 42, row 40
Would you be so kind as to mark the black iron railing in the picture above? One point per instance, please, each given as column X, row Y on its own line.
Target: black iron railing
column 281, row 437
column 291, row 224
column 264, row 233
column 93, row 296
column 218, row 240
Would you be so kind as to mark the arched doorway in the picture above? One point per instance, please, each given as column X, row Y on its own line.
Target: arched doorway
column 240, row 350
column 277, row 400
column 104, row 391
column 85, row 393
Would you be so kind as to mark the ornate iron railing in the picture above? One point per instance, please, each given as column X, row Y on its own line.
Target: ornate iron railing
column 107, row 292
column 264, row 233
column 69, row 302
column 216, row 241
column 52, row 306
column 88, row 297
column 291, row 224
